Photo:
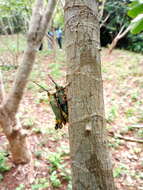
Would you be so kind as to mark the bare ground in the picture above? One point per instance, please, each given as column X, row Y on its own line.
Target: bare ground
column 123, row 91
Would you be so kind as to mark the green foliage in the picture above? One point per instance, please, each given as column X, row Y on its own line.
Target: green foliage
column 45, row 52
column 140, row 133
column 29, row 122
column 136, row 7
column 37, row 130
column 3, row 165
column 136, row 12
column 119, row 171
column 38, row 154
column 137, row 24
column 135, row 43
column 7, row 67
column 115, row 144
column 1, row 177
column 54, row 179
column 65, row 173
column 59, row 18
column 40, row 183
column 14, row 14
column 117, row 11
column 20, row 187
column 130, row 128
column 55, row 69
column 55, row 160
column 140, row 118
column 130, row 112
column 13, row 44
column 134, row 96
column 58, row 170
column 41, row 97
column 69, row 186
column 112, row 114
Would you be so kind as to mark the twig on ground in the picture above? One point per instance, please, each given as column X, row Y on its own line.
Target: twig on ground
column 128, row 139
column 137, row 126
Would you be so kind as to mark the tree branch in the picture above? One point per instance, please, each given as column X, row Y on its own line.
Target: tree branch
column 102, row 9
column 104, row 21
column 120, row 35
column 48, row 15
column 62, row 3
column 137, row 126
column 36, row 33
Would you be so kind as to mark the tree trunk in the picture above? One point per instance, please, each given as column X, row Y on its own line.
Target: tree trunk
column 8, row 120
column 91, row 164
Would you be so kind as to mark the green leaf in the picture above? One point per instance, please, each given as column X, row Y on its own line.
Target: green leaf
column 137, row 24
column 135, row 10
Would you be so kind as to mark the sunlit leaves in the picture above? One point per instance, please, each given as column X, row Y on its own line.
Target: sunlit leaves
column 7, row 7
column 137, row 24
column 135, row 9
column 136, row 12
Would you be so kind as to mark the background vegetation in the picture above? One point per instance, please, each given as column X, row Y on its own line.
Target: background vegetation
column 14, row 18
column 117, row 11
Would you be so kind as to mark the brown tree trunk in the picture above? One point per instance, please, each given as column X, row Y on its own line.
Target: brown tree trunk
column 91, row 164
column 10, row 123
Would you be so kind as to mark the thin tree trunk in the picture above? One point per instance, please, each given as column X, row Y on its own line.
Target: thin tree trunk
column 91, row 164
column 8, row 120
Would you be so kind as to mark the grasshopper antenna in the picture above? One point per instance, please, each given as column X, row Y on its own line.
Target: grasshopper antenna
column 41, row 87
column 53, row 81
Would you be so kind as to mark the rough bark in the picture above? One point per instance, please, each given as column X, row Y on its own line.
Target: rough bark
column 8, row 120
column 91, row 164
column 2, row 90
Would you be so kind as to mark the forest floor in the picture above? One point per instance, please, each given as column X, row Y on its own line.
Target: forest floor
column 50, row 170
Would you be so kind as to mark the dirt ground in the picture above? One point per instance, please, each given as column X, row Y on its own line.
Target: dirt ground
column 123, row 92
